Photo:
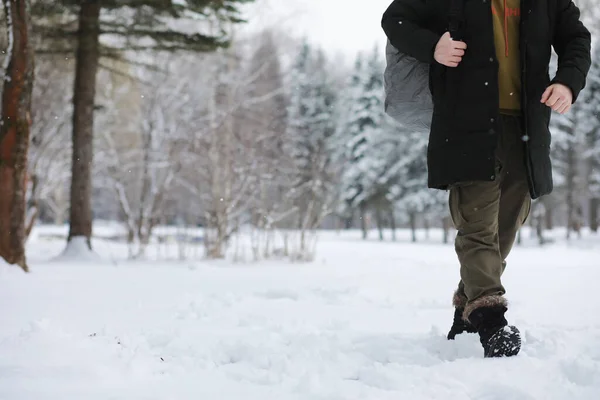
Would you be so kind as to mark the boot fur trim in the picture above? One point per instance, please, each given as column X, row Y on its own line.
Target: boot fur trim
column 486, row 301
column 459, row 300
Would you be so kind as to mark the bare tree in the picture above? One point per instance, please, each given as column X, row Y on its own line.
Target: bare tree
column 230, row 165
column 132, row 26
column 266, row 126
column 49, row 170
column 140, row 159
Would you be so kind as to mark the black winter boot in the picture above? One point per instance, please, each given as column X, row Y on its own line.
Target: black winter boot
column 460, row 325
column 497, row 338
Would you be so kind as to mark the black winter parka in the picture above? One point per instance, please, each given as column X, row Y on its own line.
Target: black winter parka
column 465, row 125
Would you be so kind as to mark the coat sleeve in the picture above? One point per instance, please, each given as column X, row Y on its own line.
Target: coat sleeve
column 404, row 23
column 572, row 43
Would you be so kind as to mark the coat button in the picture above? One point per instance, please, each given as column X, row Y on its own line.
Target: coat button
column 487, row 83
column 492, row 120
column 493, row 177
column 491, row 59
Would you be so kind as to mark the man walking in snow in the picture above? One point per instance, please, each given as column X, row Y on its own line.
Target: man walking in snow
column 489, row 143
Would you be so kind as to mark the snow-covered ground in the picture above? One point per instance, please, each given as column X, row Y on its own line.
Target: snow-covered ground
column 367, row 320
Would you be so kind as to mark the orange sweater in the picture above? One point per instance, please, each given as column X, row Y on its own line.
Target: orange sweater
column 507, row 16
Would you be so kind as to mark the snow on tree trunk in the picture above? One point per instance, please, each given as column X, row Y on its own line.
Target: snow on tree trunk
column 15, row 131
column 87, row 59
column 78, row 250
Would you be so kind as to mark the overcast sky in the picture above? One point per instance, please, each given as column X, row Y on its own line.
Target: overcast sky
column 346, row 26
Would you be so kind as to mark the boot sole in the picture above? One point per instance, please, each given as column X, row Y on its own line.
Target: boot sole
column 505, row 343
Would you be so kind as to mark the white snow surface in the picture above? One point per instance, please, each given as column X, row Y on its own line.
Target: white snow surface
column 367, row 320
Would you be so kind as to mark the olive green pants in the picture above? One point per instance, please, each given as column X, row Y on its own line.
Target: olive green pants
column 488, row 216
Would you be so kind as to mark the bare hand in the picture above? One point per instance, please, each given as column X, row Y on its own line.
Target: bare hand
column 449, row 52
column 558, row 97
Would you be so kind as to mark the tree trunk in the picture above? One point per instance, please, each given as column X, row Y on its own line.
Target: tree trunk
column 594, row 220
column 413, row 226
column 549, row 219
column 363, row 220
column 539, row 228
column 549, row 216
column 571, row 176
column 349, row 221
column 379, row 221
column 426, row 225
column 446, row 221
column 393, row 223
column 88, row 53
column 14, row 132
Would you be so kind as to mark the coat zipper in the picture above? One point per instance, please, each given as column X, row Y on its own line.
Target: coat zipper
column 523, row 35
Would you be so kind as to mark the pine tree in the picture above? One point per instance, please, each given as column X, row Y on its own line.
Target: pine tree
column 591, row 126
column 568, row 139
column 129, row 25
column 413, row 195
column 363, row 135
column 574, row 134
column 309, row 143
column 15, row 127
column 351, row 146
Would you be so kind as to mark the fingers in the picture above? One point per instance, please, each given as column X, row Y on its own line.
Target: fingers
column 562, row 106
column 557, row 105
column 558, row 98
column 459, row 45
column 457, row 52
column 565, row 107
column 554, row 99
column 449, row 52
column 547, row 94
